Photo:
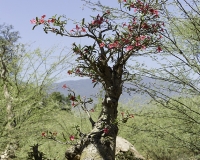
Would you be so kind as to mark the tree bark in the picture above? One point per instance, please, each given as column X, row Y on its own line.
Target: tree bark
column 100, row 143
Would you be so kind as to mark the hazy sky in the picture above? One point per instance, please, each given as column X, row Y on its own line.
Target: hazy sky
column 20, row 12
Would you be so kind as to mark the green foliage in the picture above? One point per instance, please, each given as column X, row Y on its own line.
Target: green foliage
column 165, row 133
column 126, row 156
column 59, row 100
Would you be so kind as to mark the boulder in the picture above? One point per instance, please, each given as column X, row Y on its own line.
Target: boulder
column 123, row 146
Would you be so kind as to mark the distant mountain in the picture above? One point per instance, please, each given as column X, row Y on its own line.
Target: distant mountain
column 85, row 88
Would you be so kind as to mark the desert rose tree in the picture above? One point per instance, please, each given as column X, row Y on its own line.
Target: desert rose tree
column 104, row 61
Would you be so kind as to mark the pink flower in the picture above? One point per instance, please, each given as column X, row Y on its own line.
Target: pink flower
column 124, row 24
column 102, row 44
column 72, row 98
column 43, row 134
column 52, row 20
column 124, row 0
column 156, row 12
column 92, row 110
column 105, row 130
column 78, row 70
column 71, row 138
column 94, row 80
column 41, row 21
column 33, row 21
column 143, row 47
column 73, row 104
column 159, row 49
column 108, row 11
column 113, row 45
column 137, row 44
column 131, row 116
column 83, row 29
column 77, row 27
column 43, row 16
column 142, row 37
column 64, row 86
column 145, row 26
column 128, row 48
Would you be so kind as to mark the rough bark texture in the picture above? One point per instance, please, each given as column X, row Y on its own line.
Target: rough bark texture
column 100, row 143
column 91, row 152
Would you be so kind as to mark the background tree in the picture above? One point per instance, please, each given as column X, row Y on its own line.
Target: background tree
column 105, row 61
column 23, row 87
column 178, row 73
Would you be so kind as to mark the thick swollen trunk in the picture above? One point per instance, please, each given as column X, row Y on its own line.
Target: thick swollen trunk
column 100, row 143
column 101, row 140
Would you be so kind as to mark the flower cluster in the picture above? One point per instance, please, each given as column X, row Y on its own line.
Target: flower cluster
column 42, row 20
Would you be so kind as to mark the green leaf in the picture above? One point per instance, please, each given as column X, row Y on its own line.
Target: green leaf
column 83, row 21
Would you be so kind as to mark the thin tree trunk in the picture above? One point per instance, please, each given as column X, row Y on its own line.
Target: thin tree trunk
column 9, row 152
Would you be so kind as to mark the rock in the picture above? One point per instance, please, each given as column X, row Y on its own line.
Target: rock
column 122, row 145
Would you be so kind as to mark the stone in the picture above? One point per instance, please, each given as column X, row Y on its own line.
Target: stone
column 122, row 145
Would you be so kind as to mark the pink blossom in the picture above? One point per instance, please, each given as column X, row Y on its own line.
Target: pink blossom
column 33, row 21
column 156, row 12
column 72, row 98
column 92, row 110
column 83, row 29
column 43, row 134
column 105, row 130
column 113, row 45
column 64, row 86
column 78, row 70
column 143, row 47
column 43, row 16
column 77, row 27
column 102, row 44
column 137, row 44
column 128, row 48
column 159, row 49
column 124, row 24
column 41, row 21
column 142, row 37
column 71, row 138
column 52, row 20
